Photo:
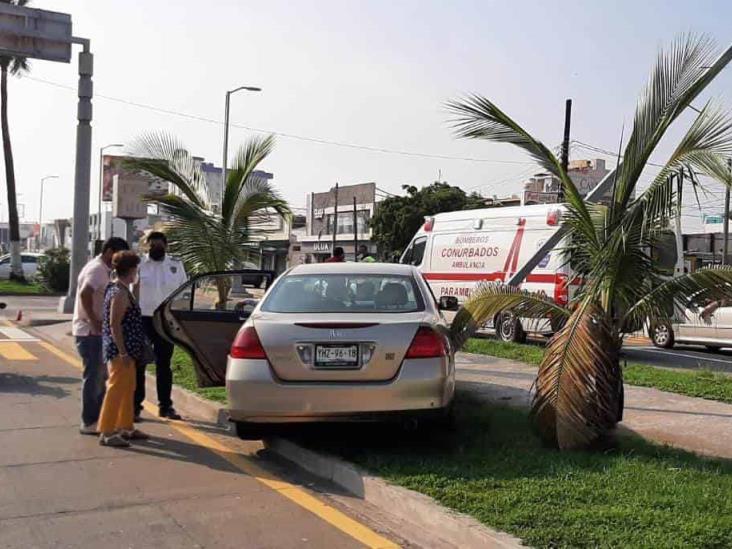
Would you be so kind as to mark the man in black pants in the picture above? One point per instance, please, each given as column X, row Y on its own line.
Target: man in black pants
column 160, row 275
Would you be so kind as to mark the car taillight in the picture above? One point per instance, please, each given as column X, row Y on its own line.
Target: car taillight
column 247, row 345
column 561, row 289
column 429, row 223
column 426, row 344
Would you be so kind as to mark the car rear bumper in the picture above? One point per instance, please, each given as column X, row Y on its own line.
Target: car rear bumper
column 255, row 394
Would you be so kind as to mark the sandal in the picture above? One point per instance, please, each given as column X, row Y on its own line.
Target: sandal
column 114, row 441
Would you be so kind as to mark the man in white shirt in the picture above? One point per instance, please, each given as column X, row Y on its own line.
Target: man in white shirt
column 160, row 275
column 86, row 328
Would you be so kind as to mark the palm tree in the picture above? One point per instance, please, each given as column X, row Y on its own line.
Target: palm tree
column 203, row 237
column 578, row 394
column 16, row 66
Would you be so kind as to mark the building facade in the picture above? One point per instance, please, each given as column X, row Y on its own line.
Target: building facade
column 323, row 227
column 544, row 188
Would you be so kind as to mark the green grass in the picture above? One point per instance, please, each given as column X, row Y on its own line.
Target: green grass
column 185, row 376
column 633, row 494
column 530, row 354
column 698, row 383
column 28, row 288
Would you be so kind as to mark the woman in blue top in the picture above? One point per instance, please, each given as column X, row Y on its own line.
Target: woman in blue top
column 123, row 343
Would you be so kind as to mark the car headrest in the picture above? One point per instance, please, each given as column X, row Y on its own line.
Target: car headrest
column 392, row 295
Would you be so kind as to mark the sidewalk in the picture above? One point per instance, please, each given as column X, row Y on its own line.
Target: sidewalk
column 694, row 424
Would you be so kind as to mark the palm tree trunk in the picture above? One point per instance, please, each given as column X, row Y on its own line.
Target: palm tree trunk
column 16, row 266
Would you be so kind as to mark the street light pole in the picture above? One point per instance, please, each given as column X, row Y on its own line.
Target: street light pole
column 40, row 209
column 226, row 135
column 101, row 178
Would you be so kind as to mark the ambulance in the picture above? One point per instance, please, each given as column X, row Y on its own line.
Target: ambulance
column 455, row 251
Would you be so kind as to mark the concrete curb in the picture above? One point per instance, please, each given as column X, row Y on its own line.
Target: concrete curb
column 420, row 511
column 414, row 508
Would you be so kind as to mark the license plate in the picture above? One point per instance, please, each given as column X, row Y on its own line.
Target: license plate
column 329, row 356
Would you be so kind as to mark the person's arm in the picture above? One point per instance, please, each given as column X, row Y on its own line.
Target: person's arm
column 87, row 302
column 117, row 311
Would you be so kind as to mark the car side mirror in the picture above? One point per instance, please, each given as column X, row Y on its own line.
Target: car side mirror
column 449, row 303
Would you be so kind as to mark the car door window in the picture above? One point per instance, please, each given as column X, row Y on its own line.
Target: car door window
column 418, row 251
column 29, row 259
column 205, row 314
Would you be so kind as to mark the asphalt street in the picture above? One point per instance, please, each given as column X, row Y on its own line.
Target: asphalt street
column 191, row 485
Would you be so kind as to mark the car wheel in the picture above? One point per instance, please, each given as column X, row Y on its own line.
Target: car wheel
column 508, row 328
column 251, row 431
column 662, row 335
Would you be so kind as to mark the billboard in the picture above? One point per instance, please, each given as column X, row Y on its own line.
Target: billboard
column 114, row 166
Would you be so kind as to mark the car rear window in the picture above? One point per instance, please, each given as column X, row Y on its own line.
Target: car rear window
column 339, row 293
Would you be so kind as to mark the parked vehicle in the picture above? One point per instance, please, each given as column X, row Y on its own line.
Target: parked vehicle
column 457, row 250
column 328, row 342
column 690, row 328
column 30, row 264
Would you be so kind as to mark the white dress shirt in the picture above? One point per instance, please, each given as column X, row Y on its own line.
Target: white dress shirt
column 159, row 279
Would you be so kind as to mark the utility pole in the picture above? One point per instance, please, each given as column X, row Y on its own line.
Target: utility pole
column 565, row 143
column 335, row 220
column 355, row 231
column 725, row 246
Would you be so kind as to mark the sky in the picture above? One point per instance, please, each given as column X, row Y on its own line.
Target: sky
column 349, row 84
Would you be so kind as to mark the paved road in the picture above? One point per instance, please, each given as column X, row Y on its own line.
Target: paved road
column 684, row 357
column 191, row 485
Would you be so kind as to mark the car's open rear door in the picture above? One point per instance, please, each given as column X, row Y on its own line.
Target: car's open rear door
column 203, row 316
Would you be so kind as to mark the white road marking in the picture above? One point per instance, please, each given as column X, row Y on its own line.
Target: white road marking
column 16, row 334
column 671, row 353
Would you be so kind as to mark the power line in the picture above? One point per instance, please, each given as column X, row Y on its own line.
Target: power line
column 318, row 140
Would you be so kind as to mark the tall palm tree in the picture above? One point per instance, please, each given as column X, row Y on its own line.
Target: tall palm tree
column 578, row 394
column 16, row 66
column 202, row 236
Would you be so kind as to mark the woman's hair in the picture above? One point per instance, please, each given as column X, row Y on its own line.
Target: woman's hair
column 123, row 262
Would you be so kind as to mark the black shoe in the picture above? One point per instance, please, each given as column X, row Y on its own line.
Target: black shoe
column 169, row 413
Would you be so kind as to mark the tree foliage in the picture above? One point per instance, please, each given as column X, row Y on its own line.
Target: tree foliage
column 578, row 391
column 398, row 218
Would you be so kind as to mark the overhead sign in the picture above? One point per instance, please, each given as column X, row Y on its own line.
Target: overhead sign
column 128, row 198
column 34, row 33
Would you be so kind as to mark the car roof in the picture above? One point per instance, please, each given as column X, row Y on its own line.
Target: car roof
column 354, row 268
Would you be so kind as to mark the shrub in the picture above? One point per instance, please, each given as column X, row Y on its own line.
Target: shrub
column 53, row 270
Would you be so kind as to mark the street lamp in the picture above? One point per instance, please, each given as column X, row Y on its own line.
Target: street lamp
column 40, row 208
column 226, row 134
column 101, row 177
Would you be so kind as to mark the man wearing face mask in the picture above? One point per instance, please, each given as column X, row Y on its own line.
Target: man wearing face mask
column 159, row 276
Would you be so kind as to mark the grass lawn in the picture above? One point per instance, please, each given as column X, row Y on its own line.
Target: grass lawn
column 699, row 383
column 185, row 376
column 14, row 287
column 634, row 494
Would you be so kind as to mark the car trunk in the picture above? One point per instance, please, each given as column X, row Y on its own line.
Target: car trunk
column 337, row 347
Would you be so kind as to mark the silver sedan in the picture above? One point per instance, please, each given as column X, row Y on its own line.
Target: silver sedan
column 327, row 342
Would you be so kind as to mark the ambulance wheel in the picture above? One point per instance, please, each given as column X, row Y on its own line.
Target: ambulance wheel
column 508, row 328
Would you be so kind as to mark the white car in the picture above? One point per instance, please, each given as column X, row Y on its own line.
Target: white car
column 714, row 332
column 30, row 264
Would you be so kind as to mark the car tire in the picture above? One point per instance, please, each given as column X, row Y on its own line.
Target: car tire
column 251, row 431
column 508, row 328
column 662, row 335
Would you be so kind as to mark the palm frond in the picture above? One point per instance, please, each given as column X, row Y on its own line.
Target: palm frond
column 689, row 290
column 707, row 141
column 247, row 159
column 680, row 74
column 479, row 118
column 578, row 390
column 489, row 299
column 163, row 156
